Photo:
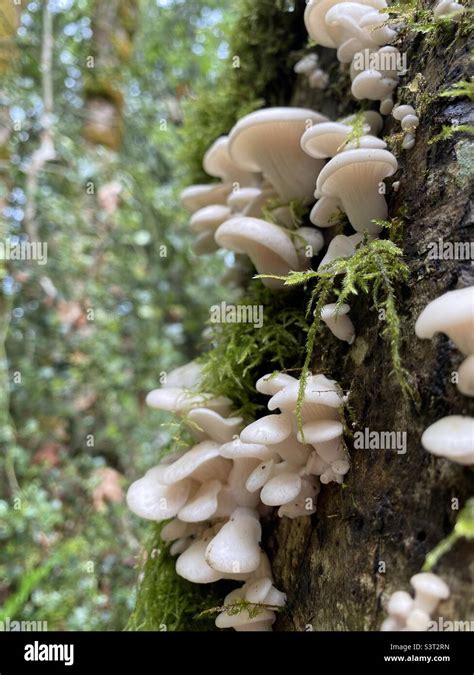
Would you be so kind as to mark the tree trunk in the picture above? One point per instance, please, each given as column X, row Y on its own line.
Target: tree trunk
column 367, row 539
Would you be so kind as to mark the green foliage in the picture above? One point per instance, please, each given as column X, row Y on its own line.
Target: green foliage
column 463, row 89
column 241, row 353
column 448, row 131
column 463, row 529
column 374, row 270
column 255, row 75
column 166, row 602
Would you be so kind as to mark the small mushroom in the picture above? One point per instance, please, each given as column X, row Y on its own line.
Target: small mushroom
column 150, row 498
column 197, row 197
column 268, row 246
column 202, row 463
column 217, row 162
column 235, row 548
column 236, row 449
column 429, row 589
column 400, row 605
column 208, row 424
column 453, row 314
column 203, row 504
column 338, row 322
column 417, row 620
column 451, row 437
column 192, row 565
column 341, row 247
column 267, row 430
column 354, row 178
column 281, row 489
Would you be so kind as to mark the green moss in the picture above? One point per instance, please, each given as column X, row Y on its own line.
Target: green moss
column 165, row 601
column 375, row 270
column 253, row 609
column 257, row 74
column 461, row 89
column 242, row 352
column 448, row 131
column 464, row 529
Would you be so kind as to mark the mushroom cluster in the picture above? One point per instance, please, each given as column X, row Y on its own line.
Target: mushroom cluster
column 452, row 313
column 359, row 32
column 414, row 613
column 409, row 121
column 309, row 67
column 351, row 181
column 215, row 493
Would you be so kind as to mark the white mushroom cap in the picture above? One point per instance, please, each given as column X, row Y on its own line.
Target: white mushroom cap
column 446, row 7
column 187, row 376
column 338, row 322
column 198, row 196
column 410, row 122
column 240, row 199
column 373, row 23
column 466, row 376
column 281, row 489
column 192, row 565
column 341, row 247
column 260, row 475
column 241, row 620
column 274, row 382
column 202, row 462
column 267, row 430
column 345, row 20
column 316, row 465
column 321, row 431
column 307, row 64
column 256, row 590
column 429, row 590
column 203, row 504
column 150, row 498
column 209, row 218
column 325, row 211
column 236, row 449
column 318, row 79
column 204, row 423
column 353, row 177
column 204, row 243
column 391, row 624
column 235, row 548
column 268, row 246
column 292, row 451
column 418, row 620
column 401, row 111
column 400, row 605
column 453, row 314
column 308, row 242
column 372, row 119
column 305, row 503
column 322, row 397
column 372, row 84
column 217, row 162
column 275, row 598
column 451, row 437
column 174, row 399
column 269, row 141
column 315, row 21
column 173, row 530
column 325, row 140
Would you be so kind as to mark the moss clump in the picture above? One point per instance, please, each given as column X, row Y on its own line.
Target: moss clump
column 257, row 74
column 243, row 352
column 165, row 601
column 375, row 270
column 448, row 131
column 461, row 89
column 464, row 529
column 253, row 609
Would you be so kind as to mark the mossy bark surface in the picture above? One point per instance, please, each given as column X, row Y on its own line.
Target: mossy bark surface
column 369, row 537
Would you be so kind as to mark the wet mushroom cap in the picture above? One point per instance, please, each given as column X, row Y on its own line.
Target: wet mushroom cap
column 453, row 314
column 451, row 437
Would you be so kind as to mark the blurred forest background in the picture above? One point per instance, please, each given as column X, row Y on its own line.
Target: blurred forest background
column 92, row 159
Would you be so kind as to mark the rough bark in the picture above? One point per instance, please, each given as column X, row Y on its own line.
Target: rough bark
column 395, row 507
